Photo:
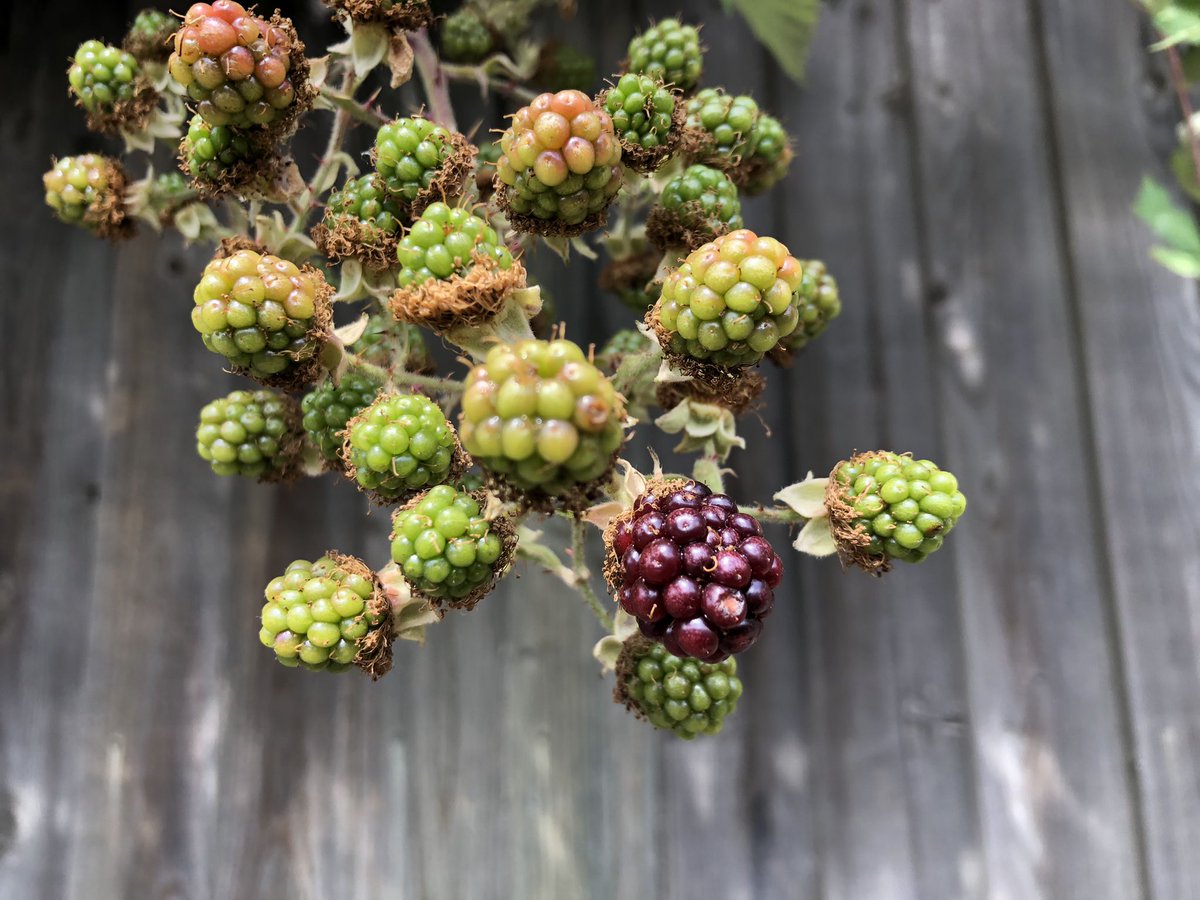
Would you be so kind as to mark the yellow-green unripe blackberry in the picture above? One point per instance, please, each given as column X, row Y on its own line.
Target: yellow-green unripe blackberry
column 249, row 433
column 678, row 694
column 541, row 416
column 729, row 122
column 318, row 615
column 894, row 506
column 78, row 187
column 443, row 242
column 730, row 301
column 102, row 76
column 400, row 444
column 670, row 52
column 445, row 546
column 262, row 313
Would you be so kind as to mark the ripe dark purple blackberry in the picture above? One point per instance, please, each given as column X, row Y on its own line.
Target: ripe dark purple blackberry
column 697, row 574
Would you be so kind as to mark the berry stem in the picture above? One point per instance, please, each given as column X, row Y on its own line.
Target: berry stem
column 479, row 75
column 707, row 470
column 780, row 515
column 401, row 378
column 583, row 576
column 306, row 202
column 360, row 112
column 433, row 79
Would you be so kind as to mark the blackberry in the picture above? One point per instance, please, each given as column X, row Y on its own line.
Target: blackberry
column 447, row 548
column 263, row 314
column 770, row 155
column 418, row 160
column 675, row 693
column 730, row 301
column 102, row 76
column 542, row 417
column 697, row 574
column 561, row 164
column 400, row 444
column 817, row 302
column 643, row 117
column 630, row 274
column 697, row 205
column 250, row 433
column 884, row 506
column 724, row 126
column 210, row 153
column 465, row 37
column 362, row 221
column 327, row 615
column 562, row 67
column 239, row 69
column 329, row 407
column 149, row 36
column 446, row 241
column 485, row 168
column 670, row 52
column 88, row 190
column 620, row 345
column 389, row 343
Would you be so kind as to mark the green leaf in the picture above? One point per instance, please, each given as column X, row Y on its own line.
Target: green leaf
column 1182, row 263
column 786, row 27
column 1178, row 26
column 1173, row 225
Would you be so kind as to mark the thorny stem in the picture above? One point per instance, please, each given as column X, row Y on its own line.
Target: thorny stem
column 780, row 515
column 433, row 79
column 360, row 112
column 1179, row 82
column 400, row 377
column 582, row 575
column 477, row 75
column 306, row 202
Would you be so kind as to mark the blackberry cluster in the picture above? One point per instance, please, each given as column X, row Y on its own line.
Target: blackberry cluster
column 444, row 242
column 329, row 407
column 641, row 109
column 247, row 433
column 260, row 312
column 669, row 52
column 703, row 198
column 678, row 694
column 697, row 574
column 770, row 155
column 465, row 37
column 77, row 185
column 399, row 444
column 731, row 300
column 817, row 302
column 364, row 201
column 902, row 507
column 236, row 67
column 409, row 154
column 102, row 76
column 728, row 122
column 542, row 416
column 211, row 151
column 561, row 160
column 445, row 546
column 149, row 36
column 318, row 614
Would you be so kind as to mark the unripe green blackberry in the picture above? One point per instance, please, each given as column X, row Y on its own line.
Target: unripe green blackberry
column 562, row 67
column 444, row 242
column 817, row 302
column 102, row 76
column 239, row 69
column 730, row 301
column 364, row 200
column 620, row 345
column 417, row 159
column 400, row 444
column 210, row 152
column 326, row 615
column 465, row 38
column 149, row 36
column 561, row 166
column 675, row 693
column 670, row 52
column 89, row 191
column 643, row 113
column 390, row 343
column 770, row 155
column 542, row 417
column 250, row 433
column 884, row 506
column 329, row 407
column 696, row 206
column 447, row 549
column 726, row 125
column 264, row 314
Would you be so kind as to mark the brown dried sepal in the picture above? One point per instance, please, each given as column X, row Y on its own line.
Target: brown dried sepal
column 687, row 228
column 128, row 116
column 108, row 217
column 655, row 487
column 460, row 300
column 345, row 237
column 266, row 139
column 738, row 393
column 375, row 648
column 853, row 544
column 547, row 227
column 712, row 377
column 502, row 527
column 460, row 461
column 149, row 48
column 645, row 160
column 633, row 650
column 748, row 174
column 410, row 16
column 236, row 244
column 308, row 363
column 291, row 446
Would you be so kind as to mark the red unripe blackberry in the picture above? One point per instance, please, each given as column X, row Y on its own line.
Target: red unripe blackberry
column 697, row 574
